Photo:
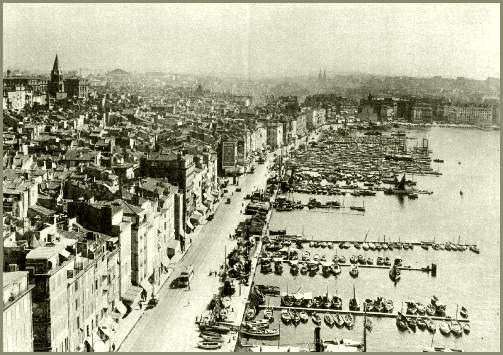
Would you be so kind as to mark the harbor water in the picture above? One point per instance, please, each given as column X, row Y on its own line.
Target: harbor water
column 472, row 165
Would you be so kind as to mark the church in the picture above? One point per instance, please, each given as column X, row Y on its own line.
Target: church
column 60, row 88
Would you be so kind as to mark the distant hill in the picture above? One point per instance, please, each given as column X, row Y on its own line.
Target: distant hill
column 117, row 72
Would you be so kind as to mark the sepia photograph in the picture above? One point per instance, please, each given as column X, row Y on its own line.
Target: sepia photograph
column 251, row 177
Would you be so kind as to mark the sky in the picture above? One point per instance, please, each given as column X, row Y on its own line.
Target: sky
column 256, row 40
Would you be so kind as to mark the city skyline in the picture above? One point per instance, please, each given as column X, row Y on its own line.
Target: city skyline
column 254, row 41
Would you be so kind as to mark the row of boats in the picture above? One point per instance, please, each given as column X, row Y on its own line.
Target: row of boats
column 446, row 327
column 295, row 318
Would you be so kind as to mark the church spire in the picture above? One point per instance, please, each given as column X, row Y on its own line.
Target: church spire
column 55, row 67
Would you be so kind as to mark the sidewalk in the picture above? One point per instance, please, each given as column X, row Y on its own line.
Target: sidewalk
column 127, row 324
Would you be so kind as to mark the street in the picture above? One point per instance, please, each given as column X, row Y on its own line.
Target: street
column 170, row 326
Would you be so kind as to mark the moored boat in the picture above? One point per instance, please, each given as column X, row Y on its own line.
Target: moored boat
column 466, row 328
column 303, row 317
column 349, row 321
column 354, row 271
column 329, row 320
column 401, row 322
column 209, row 345
column 456, row 328
column 444, row 328
column 261, row 333
column 285, row 316
column 316, row 318
column 339, row 321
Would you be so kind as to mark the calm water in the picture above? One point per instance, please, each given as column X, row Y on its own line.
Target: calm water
column 463, row 278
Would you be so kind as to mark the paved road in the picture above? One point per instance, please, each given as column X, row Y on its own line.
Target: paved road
column 171, row 325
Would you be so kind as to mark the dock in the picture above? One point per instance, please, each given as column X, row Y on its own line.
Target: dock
column 409, row 268
column 361, row 313
column 430, row 243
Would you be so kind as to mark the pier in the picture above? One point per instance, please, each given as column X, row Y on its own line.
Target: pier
column 430, row 243
column 409, row 268
column 361, row 313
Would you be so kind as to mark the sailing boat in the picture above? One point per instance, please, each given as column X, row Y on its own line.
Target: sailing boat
column 353, row 303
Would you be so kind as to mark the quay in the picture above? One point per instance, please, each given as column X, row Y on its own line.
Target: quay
column 409, row 268
column 360, row 313
column 304, row 240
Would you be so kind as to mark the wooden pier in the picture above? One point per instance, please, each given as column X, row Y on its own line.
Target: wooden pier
column 361, row 313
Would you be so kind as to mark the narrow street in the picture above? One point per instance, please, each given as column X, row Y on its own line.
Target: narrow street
column 170, row 326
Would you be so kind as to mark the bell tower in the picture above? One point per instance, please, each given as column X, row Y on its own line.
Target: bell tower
column 56, row 85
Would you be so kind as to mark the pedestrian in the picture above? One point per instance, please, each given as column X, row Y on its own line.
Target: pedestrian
column 113, row 347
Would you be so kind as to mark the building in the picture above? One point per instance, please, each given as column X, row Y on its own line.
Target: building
column 56, row 85
column 421, row 112
column 275, row 135
column 76, row 87
column 17, row 312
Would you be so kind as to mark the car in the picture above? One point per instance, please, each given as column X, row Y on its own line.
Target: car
column 238, row 189
column 228, row 200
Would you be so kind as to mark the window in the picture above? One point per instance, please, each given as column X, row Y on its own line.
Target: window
column 76, row 304
column 76, row 285
column 78, row 322
column 87, row 330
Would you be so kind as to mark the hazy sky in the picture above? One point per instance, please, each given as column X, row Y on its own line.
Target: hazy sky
column 257, row 39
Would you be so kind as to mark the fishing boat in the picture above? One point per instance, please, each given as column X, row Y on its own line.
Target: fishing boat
column 425, row 246
column 278, row 267
column 394, row 274
column 342, row 259
column 329, row 320
column 330, row 245
column 295, row 318
column 370, row 261
column 294, row 267
column 308, row 300
column 466, row 328
column 401, row 322
column 354, row 271
column 361, row 260
column 250, row 313
column 209, row 345
column 212, row 338
column 316, row 257
column 303, row 317
column 268, row 313
column 387, row 261
column 475, row 249
column 323, row 245
column 326, row 269
column 365, row 246
column 440, row 310
column 286, row 316
column 304, row 269
column 430, row 309
column 444, row 328
column 226, row 302
column 379, row 305
column 412, row 323
column 261, row 333
column 430, row 325
column 388, row 305
column 456, row 328
column 463, row 312
column 339, row 321
column 421, row 323
column 349, row 321
column 316, row 318
column 368, row 304
column 379, row 260
column 336, row 269
column 353, row 303
column 336, row 302
column 420, row 308
column 411, row 308
column 262, row 323
column 357, row 245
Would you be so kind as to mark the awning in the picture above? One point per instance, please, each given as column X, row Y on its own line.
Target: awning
column 119, row 307
column 132, row 294
column 64, row 253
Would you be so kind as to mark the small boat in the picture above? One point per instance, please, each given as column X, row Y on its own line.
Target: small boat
column 421, row 323
column 330, row 245
column 286, row 316
column 430, row 325
column 354, row 271
column 388, row 305
column 316, row 257
column 212, row 338
column 401, row 322
column 420, row 308
column 466, row 328
column 430, row 309
column 342, row 259
column 323, row 245
column 463, row 312
column 353, row 303
column 456, row 328
column 349, row 321
column 209, row 345
column 424, row 246
column 357, row 245
column 353, row 259
column 303, row 269
column 323, row 258
column 329, row 320
column 336, row 302
column 295, row 318
column 250, row 313
column 394, row 274
column 475, row 249
column 387, row 261
column 378, row 305
column 412, row 323
column 339, row 321
column 444, row 328
column 379, row 260
column 411, row 308
column 311, row 244
column 372, row 246
column 303, row 317
column 361, row 260
column 336, row 269
column 268, row 313
column 365, row 246
column 226, row 302
column 316, row 318
column 263, row 323
column 370, row 261
column 368, row 304
column 306, row 255
column 261, row 333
